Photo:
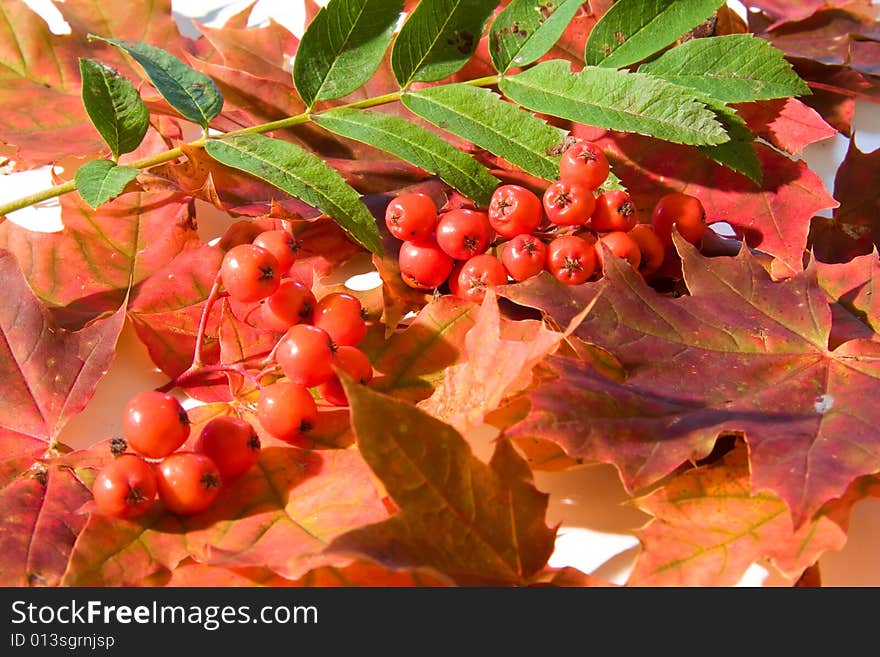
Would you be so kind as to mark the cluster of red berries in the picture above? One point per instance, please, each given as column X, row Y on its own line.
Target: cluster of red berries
column 559, row 233
column 317, row 336
column 155, row 426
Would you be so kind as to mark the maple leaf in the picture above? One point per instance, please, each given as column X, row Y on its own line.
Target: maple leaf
column 499, row 362
column 357, row 573
column 141, row 251
column 568, row 577
column 708, row 527
column 86, row 269
column 41, row 521
column 264, row 52
column 786, row 123
column 826, row 36
column 783, row 11
column 835, row 89
column 773, row 217
column 857, row 215
column 279, row 516
column 476, row 523
column 855, row 309
column 42, row 71
column 731, row 358
column 411, row 362
column 47, row 374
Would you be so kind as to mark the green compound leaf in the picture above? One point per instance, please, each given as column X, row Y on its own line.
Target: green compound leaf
column 632, row 30
column 415, row 145
column 342, row 47
column 616, row 100
column 739, row 153
column 100, row 181
column 192, row 94
column 114, row 107
column 302, row 174
column 483, row 118
column 527, row 29
column 736, row 68
column 438, row 39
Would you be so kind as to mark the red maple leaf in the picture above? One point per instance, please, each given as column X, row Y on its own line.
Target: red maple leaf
column 731, row 358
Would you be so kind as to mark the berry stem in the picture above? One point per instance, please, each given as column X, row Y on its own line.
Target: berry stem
column 193, row 372
column 203, row 322
column 174, row 153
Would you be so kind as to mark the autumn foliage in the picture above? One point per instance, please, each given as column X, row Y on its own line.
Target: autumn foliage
column 732, row 388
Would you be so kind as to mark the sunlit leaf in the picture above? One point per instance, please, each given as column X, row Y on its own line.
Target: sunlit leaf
column 100, row 181
column 730, row 358
column 302, row 174
column 343, row 46
column 438, row 38
column 192, row 94
column 477, row 523
column 617, row 100
column 114, row 106
column 631, row 30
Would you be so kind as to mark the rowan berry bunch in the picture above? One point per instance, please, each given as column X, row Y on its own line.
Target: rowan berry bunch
column 566, row 232
column 319, row 338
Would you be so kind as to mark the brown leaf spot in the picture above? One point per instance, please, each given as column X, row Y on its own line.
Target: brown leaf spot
column 461, row 40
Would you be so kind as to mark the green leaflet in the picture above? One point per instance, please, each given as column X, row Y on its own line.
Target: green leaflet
column 632, row 30
column 527, row 29
column 114, row 107
column 342, row 47
column 616, row 100
column 415, row 145
column 438, row 39
column 100, row 181
column 192, row 94
column 302, row 174
column 739, row 153
column 482, row 117
column 736, row 68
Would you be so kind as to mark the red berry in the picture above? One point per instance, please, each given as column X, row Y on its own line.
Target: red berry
column 620, row 244
column 568, row 204
column 571, row 260
column 423, row 265
column 683, row 211
column 463, row 233
column 250, row 272
column 524, row 256
column 477, row 275
column 286, row 410
column 341, row 315
column 280, row 244
column 584, row 163
column 305, row 354
column 125, row 487
column 188, row 482
column 292, row 303
column 411, row 216
column 353, row 362
column 231, row 443
column 614, row 211
column 514, row 210
column 650, row 247
column 154, row 424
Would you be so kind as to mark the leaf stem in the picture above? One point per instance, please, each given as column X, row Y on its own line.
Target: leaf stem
column 174, row 153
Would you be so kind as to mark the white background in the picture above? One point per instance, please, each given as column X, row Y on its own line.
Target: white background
column 588, row 501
